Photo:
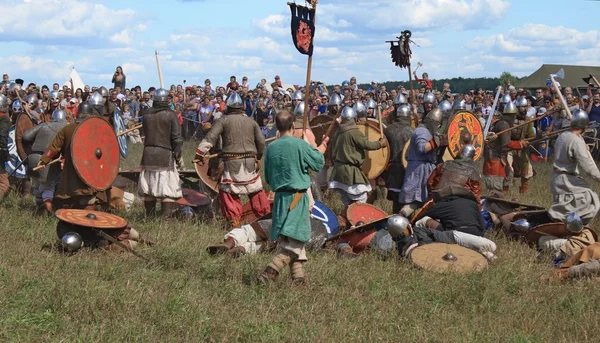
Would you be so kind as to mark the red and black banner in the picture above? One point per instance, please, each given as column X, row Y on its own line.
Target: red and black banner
column 303, row 28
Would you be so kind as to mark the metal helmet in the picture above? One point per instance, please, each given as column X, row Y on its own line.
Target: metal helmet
column 521, row 102
column 3, row 101
column 348, row 113
column 428, row 98
column 59, row 115
column 54, row 96
column 435, row 115
column 396, row 225
column 371, row 104
column 360, row 109
column 460, row 105
column 71, row 241
column 505, row 99
column 84, row 108
column 510, row 108
column 234, row 101
column 446, row 107
column 400, row 99
column 403, row 111
column 161, row 94
column 96, row 99
column 13, row 87
column 468, row 152
column 16, row 106
column 579, row 119
column 31, row 100
column 103, row 91
column 573, row 223
column 521, row 225
column 297, row 95
column 299, row 110
column 335, row 100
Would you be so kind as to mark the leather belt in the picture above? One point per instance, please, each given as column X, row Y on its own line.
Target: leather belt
column 298, row 194
column 231, row 157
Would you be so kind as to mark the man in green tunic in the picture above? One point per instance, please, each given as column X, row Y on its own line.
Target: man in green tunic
column 287, row 162
column 349, row 145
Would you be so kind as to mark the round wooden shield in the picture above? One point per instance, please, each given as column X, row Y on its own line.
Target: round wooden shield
column 465, row 121
column 405, row 153
column 14, row 165
column 366, row 213
column 92, row 219
column 376, row 161
column 202, row 171
column 327, row 217
column 442, row 257
column 120, row 126
column 193, row 198
column 95, row 153
column 319, row 126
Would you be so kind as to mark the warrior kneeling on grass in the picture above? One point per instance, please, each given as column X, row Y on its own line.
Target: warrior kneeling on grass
column 287, row 163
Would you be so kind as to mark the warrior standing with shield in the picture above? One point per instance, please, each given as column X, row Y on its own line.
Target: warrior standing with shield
column 159, row 178
column 517, row 158
column 494, row 152
column 4, row 128
column 398, row 133
column 348, row 149
column 243, row 147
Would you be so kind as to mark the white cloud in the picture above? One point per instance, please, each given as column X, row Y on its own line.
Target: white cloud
column 273, row 24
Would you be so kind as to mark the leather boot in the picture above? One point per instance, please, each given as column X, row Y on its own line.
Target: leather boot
column 150, row 207
column 48, row 207
column 268, row 275
column 297, row 273
column 167, row 209
column 236, row 252
column 228, row 244
column 524, row 186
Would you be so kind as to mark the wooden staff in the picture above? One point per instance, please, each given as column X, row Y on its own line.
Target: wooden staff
column 412, row 90
column 129, row 130
column 595, row 80
column 160, row 78
column 334, row 122
column 49, row 163
column 560, row 96
column 534, row 140
column 522, row 124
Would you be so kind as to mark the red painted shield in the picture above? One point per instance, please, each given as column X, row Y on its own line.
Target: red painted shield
column 360, row 212
column 93, row 219
column 457, row 138
column 95, row 153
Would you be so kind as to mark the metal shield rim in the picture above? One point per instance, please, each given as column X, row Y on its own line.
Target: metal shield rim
column 320, row 120
column 62, row 214
column 358, row 204
column 119, row 125
column 422, row 260
column 101, row 121
column 479, row 151
column 202, row 171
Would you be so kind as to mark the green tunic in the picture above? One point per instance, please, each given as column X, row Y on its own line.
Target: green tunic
column 287, row 162
column 349, row 145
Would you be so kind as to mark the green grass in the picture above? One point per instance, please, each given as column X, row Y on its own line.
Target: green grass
column 187, row 296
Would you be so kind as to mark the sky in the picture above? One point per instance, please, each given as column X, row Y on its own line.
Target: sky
column 41, row 40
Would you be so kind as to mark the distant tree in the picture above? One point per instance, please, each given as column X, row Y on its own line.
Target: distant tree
column 508, row 78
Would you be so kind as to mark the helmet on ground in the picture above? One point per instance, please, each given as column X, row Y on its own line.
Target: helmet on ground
column 234, row 101
column 521, row 102
column 521, row 225
column 59, row 115
column 371, row 104
column 468, row 152
column 360, row 109
column 400, row 99
column 54, row 96
column 428, row 98
column 446, row 107
column 435, row 115
column 505, row 99
column 403, row 111
column 103, row 91
column 348, row 113
column 161, row 94
column 579, row 119
column 460, row 105
column 16, row 106
column 71, row 241
column 510, row 108
column 31, row 100
column 297, row 95
column 335, row 100
column 299, row 110
column 96, row 99
column 397, row 225
column 573, row 223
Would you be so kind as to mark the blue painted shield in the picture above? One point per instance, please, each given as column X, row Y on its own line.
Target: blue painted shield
column 325, row 215
column 119, row 126
column 14, row 161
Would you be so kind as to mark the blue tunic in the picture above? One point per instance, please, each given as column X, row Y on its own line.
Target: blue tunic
column 420, row 166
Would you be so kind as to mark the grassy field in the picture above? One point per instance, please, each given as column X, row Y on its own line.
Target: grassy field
column 187, row 296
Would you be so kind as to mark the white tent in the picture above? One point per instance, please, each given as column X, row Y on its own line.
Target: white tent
column 77, row 81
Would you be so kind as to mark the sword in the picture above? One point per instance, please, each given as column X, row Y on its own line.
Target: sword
column 491, row 115
column 113, row 240
column 19, row 166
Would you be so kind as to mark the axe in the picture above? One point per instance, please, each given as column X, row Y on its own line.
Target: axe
column 560, row 74
column 45, row 165
column 113, row 240
column 591, row 77
column 419, row 65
